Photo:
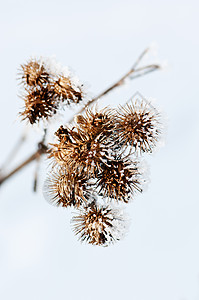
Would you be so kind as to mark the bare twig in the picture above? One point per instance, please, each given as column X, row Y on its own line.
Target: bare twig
column 36, row 174
column 143, row 71
column 135, row 74
column 41, row 150
column 14, row 151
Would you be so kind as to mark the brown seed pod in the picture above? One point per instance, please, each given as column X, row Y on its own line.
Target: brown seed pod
column 79, row 151
column 39, row 104
column 34, row 73
column 67, row 188
column 46, row 88
column 138, row 126
column 99, row 225
column 95, row 123
column 66, row 92
column 119, row 179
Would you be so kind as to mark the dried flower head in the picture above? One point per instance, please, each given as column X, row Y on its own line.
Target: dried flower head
column 119, row 179
column 34, row 73
column 95, row 123
column 47, row 86
column 99, row 225
column 67, row 188
column 138, row 126
column 39, row 104
column 79, row 151
column 66, row 92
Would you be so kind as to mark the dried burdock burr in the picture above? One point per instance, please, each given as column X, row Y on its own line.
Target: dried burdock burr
column 39, row 104
column 97, row 123
column 66, row 92
column 66, row 188
column 79, row 150
column 34, row 73
column 98, row 224
column 48, row 88
column 120, row 179
column 138, row 126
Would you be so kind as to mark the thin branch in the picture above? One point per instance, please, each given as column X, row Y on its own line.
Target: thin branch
column 14, row 151
column 140, row 57
column 35, row 183
column 42, row 149
column 144, row 70
column 135, row 74
column 38, row 161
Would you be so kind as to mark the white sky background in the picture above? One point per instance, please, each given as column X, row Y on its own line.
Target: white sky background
column 40, row 258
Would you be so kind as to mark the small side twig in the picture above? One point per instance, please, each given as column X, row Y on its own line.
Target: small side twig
column 38, row 160
column 14, row 151
column 42, row 149
column 135, row 74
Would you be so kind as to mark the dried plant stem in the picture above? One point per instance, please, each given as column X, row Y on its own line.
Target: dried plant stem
column 135, row 74
column 42, row 149
column 14, row 151
column 36, row 174
column 143, row 71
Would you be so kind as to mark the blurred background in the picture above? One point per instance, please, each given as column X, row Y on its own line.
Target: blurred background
column 40, row 258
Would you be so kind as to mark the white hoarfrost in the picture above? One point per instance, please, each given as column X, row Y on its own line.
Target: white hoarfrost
column 56, row 69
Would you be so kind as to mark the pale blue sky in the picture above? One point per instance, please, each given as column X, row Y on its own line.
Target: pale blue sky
column 40, row 257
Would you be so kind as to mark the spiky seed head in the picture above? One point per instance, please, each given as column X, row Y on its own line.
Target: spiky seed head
column 34, row 73
column 80, row 152
column 47, row 86
column 99, row 225
column 84, row 156
column 66, row 92
column 139, row 126
column 39, row 104
column 95, row 123
column 66, row 188
column 120, row 179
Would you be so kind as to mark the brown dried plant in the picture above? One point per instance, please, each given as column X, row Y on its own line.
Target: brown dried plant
column 46, row 89
column 39, row 103
column 67, row 188
column 139, row 125
column 96, row 123
column 119, row 179
column 98, row 224
column 94, row 161
column 66, row 92
column 85, row 146
column 34, row 73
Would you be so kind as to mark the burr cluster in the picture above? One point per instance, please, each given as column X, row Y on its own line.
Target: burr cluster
column 95, row 163
column 47, row 86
